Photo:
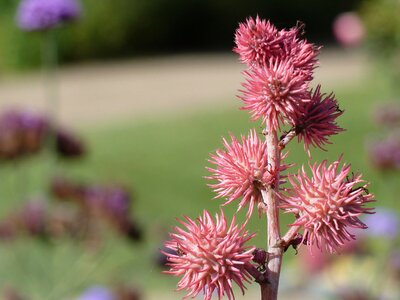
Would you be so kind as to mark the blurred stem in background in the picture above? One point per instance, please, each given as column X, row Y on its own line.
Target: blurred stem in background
column 49, row 65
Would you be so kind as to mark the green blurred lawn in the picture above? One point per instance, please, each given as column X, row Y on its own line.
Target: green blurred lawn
column 163, row 162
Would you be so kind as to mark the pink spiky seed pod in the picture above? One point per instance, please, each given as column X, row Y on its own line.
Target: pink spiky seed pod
column 328, row 204
column 256, row 41
column 241, row 170
column 210, row 255
column 304, row 55
column 318, row 120
column 274, row 93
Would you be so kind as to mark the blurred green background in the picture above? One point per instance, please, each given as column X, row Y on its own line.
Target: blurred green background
column 161, row 156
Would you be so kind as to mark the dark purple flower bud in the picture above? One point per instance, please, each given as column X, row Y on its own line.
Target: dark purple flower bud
column 295, row 242
column 69, row 145
column 38, row 15
column 260, row 256
column 131, row 230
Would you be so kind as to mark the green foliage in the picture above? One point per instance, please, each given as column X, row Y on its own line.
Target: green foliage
column 381, row 18
column 382, row 21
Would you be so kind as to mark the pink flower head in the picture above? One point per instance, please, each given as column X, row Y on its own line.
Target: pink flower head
column 256, row 41
column 327, row 204
column 241, row 170
column 274, row 93
column 210, row 256
column 318, row 120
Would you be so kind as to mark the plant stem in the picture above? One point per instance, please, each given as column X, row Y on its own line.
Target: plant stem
column 290, row 235
column 285, row 139
column 50, row 62
column 270, row 291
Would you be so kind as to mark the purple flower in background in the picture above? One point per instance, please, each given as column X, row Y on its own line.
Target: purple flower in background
column 385, row 154
column 97, row 293
column 24, row 132
column 118, row 202
column 33, row 15
column 383, row 223
column 33, row 217
column 388, row 115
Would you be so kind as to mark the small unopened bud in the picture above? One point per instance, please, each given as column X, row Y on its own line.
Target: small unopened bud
column 295, row 242
column 259, row 256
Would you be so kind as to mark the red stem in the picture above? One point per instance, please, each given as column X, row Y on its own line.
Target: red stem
column 289, row 235
column 269, row 291
column 285, row 139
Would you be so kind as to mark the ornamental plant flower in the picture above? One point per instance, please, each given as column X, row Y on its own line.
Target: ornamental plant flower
column 326, row 202
column 39, row 15
column 211, row 255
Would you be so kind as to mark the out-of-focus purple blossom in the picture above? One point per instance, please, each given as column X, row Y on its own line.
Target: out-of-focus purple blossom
column 348, row 29
column 384, row 223
column 117, row 202
column 97, row 293
column 385, row 154
column 23, row 132
column 38, row 15
column 33, row 217
column 30, row 219
column 113, row 204
column 109, row 203
column 388, row 115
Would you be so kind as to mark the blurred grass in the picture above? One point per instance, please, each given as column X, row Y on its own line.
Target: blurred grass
column 163, row 161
